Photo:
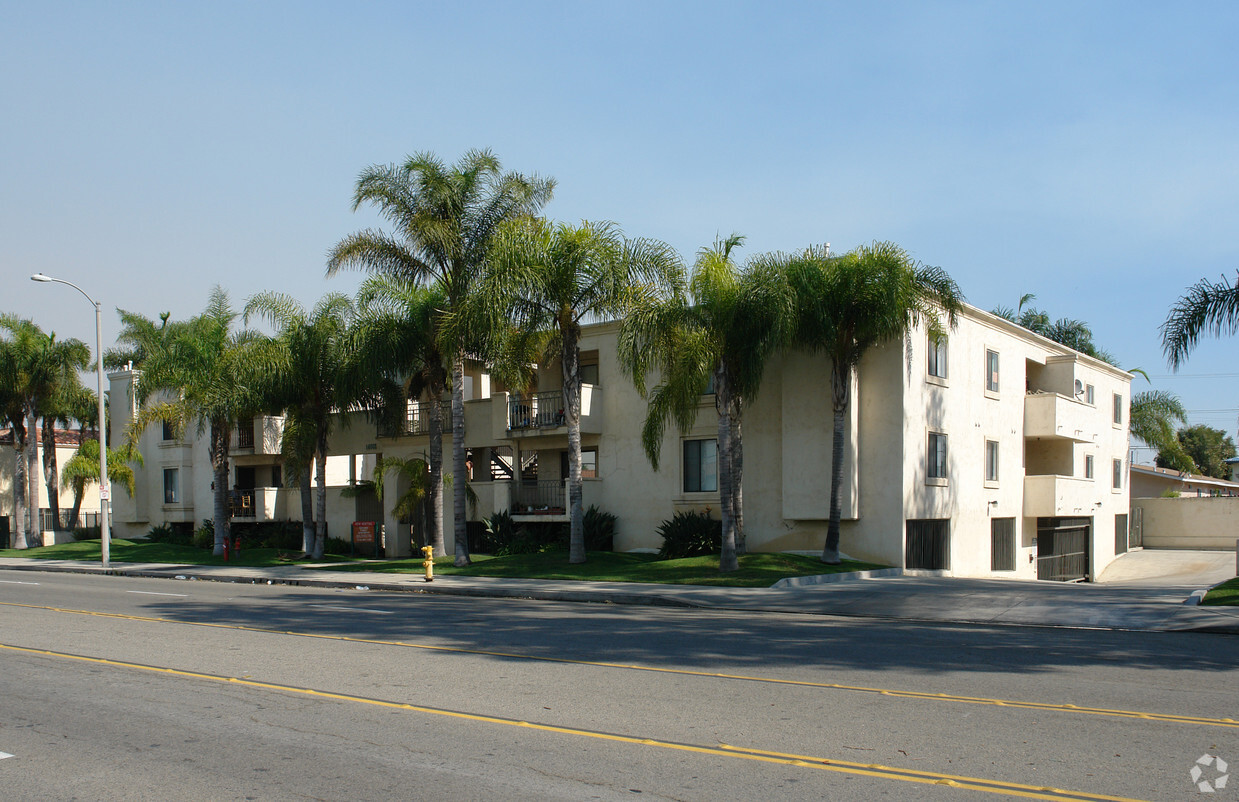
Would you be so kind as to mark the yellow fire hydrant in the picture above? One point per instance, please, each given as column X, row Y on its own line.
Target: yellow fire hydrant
column 429, row 562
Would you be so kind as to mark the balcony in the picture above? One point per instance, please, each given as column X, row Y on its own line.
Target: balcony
column 540, row 501
column 1050, row 415
column 417, row 420
column 261, row 503
column 259, row 436
column 1049, row 496
column 543, row 413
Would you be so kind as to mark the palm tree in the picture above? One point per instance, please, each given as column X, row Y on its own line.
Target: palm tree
column 551, row 276
column 201, row 368
column 82, row 470
column 43, row 374
column 1207, row 307
column 720, row 328
column 65, row 401
column 309, row 370
column 445, row 220
column 1072, row 333
column 846, row 305
column 398, row 338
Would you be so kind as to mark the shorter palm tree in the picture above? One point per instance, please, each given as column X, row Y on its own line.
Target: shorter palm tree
column 1208, row 307
column 82, row 470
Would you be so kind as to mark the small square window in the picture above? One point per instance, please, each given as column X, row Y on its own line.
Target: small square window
column 700, row 466
column 1088, row 466
column 991, row 371
column 991, row 460
column 1118, row 474
column 937, row 456
column 937, row 357
column 171, row 485
column 589, row 374
column 1118, row 409
column 167, row 431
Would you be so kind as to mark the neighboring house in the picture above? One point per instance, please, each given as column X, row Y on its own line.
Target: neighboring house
column 1148, row 481
column 1233, row 462
column 67, row 442
column 995, row 453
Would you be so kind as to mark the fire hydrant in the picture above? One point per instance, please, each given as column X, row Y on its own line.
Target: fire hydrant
column 429, row 563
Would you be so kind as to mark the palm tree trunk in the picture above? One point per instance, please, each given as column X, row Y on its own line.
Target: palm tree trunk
column 434, row 514
column 571, row 363
column 459, row 528
column 20, row 488
column 841, row 382
column 35, row 538
column 320, row 499
column 220, row 435
column 737, row 470
column 308, row 530
column 51, row 477
column 727, row 560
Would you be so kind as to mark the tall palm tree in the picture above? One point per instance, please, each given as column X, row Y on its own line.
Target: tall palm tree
column 1207, row 307
column 43, row 375
column 310, row 370
column 846, row 305
column 194, row 372
column 65, row 400
column 397, row 337
column 444, row 220
column 721, row 328
column 550, row 276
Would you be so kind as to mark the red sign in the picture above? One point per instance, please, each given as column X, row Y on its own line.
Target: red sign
column 364, row 531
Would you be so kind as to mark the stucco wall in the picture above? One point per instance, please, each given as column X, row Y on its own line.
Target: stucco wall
column 1189, row 523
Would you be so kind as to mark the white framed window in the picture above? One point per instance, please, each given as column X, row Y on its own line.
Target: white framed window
column 1118, row 474
column 1088, row 466
column 937, row 357
column 1118, row 410
column 936, row 468
column 700, row 466
column 1090, row 395
column 991, row 371
column 171, row 485
column 991, row 460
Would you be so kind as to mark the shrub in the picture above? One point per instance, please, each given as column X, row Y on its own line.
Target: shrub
column 335, row 545
column 87, row 533
column 599, row 530
column 204, row 536
column 171, row 533
column 690, row 534
column 499, row 530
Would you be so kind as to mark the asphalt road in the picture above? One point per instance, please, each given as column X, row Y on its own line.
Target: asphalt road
column 114, row 688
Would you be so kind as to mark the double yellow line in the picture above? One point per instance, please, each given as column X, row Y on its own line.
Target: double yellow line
column 874, row 770
column 894, row 694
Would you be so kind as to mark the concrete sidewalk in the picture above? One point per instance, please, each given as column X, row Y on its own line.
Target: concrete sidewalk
column 1136, row 604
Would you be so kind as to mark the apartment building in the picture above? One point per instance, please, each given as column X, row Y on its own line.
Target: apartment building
column 995, row 452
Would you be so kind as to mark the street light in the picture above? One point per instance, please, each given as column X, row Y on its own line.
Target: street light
column 105, row 487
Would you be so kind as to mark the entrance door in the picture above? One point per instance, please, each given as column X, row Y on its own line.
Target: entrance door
column 1063, row 548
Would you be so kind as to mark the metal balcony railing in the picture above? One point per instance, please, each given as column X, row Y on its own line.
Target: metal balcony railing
column 417, row 420
column 538, row 411
column 547, row 497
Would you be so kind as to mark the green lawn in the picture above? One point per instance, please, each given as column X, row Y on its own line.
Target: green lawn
column 756, row 570
column 1226, row 593
column 129, row 551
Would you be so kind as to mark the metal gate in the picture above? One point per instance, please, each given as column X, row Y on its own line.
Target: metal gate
column 1063, row 548
column 928, row 545
column 1135, row 535
column 4, row 531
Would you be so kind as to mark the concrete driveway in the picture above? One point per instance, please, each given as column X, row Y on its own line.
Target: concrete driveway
column 1170, row 568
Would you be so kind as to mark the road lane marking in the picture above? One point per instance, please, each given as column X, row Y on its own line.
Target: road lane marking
column 875, row 770
column 153, row 593
column 15, row 582
column 3, row 755
column 343, row 609
column 890, row 692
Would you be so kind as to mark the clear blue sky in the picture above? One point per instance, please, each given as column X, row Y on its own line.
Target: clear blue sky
column 1086, row 152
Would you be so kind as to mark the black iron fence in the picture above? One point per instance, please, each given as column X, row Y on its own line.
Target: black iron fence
column 85, row 520
column 537, row 411
column 534, row 498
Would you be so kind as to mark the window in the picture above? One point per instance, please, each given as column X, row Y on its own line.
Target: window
column 171, row 485
column 589, row 463
column 589, row 374
column 937, row 358
column 1002, row 544
column 937, row 455
column 1118, row 409
column 1090, row 395
column 700, row 466
column 991, row 371
column 1118, row 474
column 1088, row 466
column 277, row 476
column 991, row 460
column 167, row 431
column 709, row 385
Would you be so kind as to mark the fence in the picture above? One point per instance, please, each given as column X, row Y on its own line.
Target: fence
column 84, row 520
column 540, row 497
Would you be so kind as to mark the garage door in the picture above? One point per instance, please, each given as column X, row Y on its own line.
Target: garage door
column 1062, row 548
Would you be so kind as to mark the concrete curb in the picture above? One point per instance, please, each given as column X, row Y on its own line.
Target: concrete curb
column 851, row 576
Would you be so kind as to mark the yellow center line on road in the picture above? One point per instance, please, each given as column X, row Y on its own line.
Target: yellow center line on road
column 893, row 693
column 960, row 782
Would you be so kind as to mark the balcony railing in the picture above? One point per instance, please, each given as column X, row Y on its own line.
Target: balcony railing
column 245, row 436
column 241, row 504
column 547, row 498
column 417, row 420
column 540, row 410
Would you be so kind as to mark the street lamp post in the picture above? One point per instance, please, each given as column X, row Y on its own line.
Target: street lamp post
column 105, row 486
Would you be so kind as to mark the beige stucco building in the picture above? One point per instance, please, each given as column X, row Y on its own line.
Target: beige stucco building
column 67, row 442
column 995, row 453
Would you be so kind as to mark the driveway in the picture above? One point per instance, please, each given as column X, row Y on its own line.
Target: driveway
column 1170, row 568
